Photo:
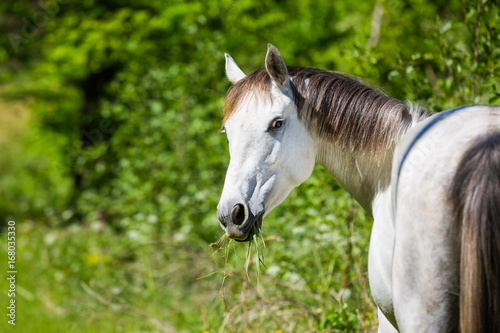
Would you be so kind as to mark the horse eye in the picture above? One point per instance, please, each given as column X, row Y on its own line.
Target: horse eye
column 277, row 124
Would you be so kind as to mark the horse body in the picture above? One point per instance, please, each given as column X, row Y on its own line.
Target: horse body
column 426, row 261
column 398, row 162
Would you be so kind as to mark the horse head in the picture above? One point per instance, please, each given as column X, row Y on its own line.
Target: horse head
column 271, row 149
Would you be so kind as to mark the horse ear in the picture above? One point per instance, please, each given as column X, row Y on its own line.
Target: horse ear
column 233, row 72
column 275, row 65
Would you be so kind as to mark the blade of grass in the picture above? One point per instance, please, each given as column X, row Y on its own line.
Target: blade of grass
column 261, row 251
column 247, row 262
column 224, row 243
column 257, row 262
column 210, row 274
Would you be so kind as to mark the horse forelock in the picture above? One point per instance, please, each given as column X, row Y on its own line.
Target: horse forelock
column 256, row 83
column 337, row 107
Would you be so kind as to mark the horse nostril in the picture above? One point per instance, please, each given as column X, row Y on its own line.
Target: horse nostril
column 238, row 214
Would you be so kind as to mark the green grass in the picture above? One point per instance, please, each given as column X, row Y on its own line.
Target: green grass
column 92, row 279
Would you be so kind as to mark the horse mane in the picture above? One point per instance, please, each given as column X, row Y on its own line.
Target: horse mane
column 338, row 107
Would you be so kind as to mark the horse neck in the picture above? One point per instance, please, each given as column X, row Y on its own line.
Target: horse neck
column 363, row 175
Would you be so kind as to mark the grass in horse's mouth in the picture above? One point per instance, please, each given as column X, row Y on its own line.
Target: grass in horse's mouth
column 255, row 253
column 254, row 229
column 256, row 236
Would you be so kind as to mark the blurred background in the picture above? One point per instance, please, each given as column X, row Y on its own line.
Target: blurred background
column 112, row 161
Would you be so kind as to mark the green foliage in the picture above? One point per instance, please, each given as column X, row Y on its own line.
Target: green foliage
column 458, row 61
column 116, row 174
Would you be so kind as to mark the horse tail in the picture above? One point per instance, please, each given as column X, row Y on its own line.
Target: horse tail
column 476, row 199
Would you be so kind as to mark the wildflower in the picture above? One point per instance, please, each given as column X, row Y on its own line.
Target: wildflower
column 93, row 259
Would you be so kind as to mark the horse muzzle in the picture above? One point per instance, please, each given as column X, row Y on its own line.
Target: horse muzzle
column 239, row 222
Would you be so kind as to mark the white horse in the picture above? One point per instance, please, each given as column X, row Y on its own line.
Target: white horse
column 431, row 183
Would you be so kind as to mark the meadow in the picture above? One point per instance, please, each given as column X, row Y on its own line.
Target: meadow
column 112, row 158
